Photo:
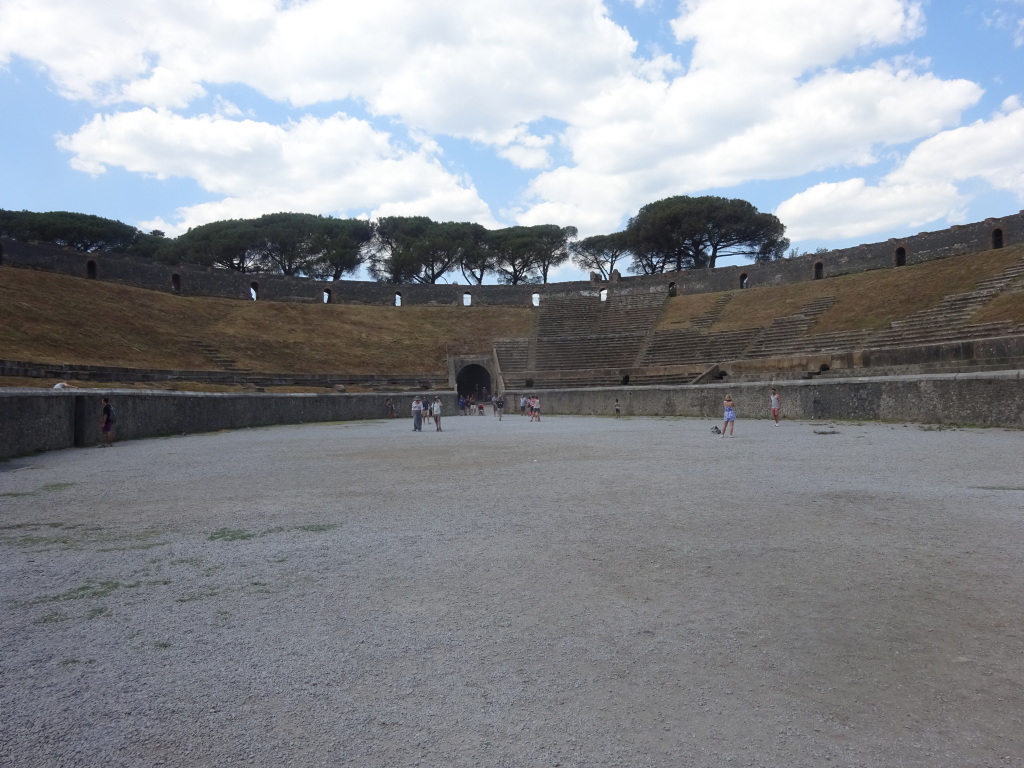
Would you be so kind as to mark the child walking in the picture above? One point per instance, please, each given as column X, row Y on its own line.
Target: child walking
column 729, row 420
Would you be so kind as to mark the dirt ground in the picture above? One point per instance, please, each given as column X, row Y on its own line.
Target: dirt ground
column 575, row 592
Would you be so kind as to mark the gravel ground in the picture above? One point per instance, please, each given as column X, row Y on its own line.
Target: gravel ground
column 578, row 592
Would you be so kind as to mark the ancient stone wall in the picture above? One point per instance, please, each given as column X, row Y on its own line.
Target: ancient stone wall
column 49, row 420
column 44, row 420
column 199, row 281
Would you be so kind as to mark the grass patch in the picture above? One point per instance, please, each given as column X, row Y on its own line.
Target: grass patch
column 52, row 618
column 49, row 487
column 1007, row 307
column 89, row 590
column 70, row 536
column 231, row 534
column 318, row 527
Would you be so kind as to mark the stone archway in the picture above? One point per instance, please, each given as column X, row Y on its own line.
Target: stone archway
column 472, row 379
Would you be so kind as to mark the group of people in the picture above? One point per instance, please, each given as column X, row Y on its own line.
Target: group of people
column 426, row 409
column 469, row 406
column 530, row 405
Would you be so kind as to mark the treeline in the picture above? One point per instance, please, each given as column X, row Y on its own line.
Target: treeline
column 672, row 234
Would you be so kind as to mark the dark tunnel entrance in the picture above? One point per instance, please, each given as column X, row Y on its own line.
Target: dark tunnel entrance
column 472, row 379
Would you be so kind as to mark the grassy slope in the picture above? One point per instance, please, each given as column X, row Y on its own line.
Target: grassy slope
column 868, row 300
column 46, row 317
column 54, row 318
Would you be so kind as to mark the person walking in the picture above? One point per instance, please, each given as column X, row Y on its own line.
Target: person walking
column 523, row 402
column 107, row 420
column 776, row 405
column 417, row 415
column 729, row 420
column 534, row 408
column 436, row 410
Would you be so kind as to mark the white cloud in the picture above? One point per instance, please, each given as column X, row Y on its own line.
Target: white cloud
column 717, row 126
column 789, row 37
column 923, row 189
column 332, row 165
column 772, row 90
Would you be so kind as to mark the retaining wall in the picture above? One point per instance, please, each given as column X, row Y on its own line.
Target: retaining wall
column 34, row 420
column 991, row 399
column 199, row 281
column 39, row 421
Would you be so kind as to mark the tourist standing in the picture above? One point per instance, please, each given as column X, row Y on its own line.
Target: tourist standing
column 535, row 409
column 436, row 410
column 389, row 408
column 776, row 405
column 500, row 405
column 417, row 415
column 523, row 402
column 618, row 409
column 729, row 419
column 107, row 420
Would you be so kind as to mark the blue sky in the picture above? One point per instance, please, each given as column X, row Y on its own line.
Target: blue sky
column 853, row 122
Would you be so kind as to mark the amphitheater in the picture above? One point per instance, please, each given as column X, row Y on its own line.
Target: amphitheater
column 284, row 577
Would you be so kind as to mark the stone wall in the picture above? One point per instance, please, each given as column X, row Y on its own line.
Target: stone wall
column 198, row 281
column 993, row 399
column 40, row 421
column 52, row 419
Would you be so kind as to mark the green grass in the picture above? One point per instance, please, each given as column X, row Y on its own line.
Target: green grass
column 49, row 487
column 88, row 591
column 231, row 534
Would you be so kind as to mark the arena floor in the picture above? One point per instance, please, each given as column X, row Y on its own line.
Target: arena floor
column 575, row 592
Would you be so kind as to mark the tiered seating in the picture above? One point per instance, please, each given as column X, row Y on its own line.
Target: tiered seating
column 629, row 314
column 686, row 346
column 582, row 341
column 575, row 352
column 947, row 320
column 513, row 354
column 568, row 316
column 783, row 334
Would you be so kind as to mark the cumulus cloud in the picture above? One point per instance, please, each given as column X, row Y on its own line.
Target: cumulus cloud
column 336, row 165
column 744, row 111
column 751, row 91
column 923, row 188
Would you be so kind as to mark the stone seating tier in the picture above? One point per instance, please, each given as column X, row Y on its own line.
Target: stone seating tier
column 575, row 352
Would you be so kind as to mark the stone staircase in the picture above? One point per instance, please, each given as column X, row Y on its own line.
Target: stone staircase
column 784, row 334
column 705, row 321
column 513, row 354
column 214, row 355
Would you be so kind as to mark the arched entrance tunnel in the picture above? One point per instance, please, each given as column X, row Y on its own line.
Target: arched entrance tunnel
column 472, row 379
